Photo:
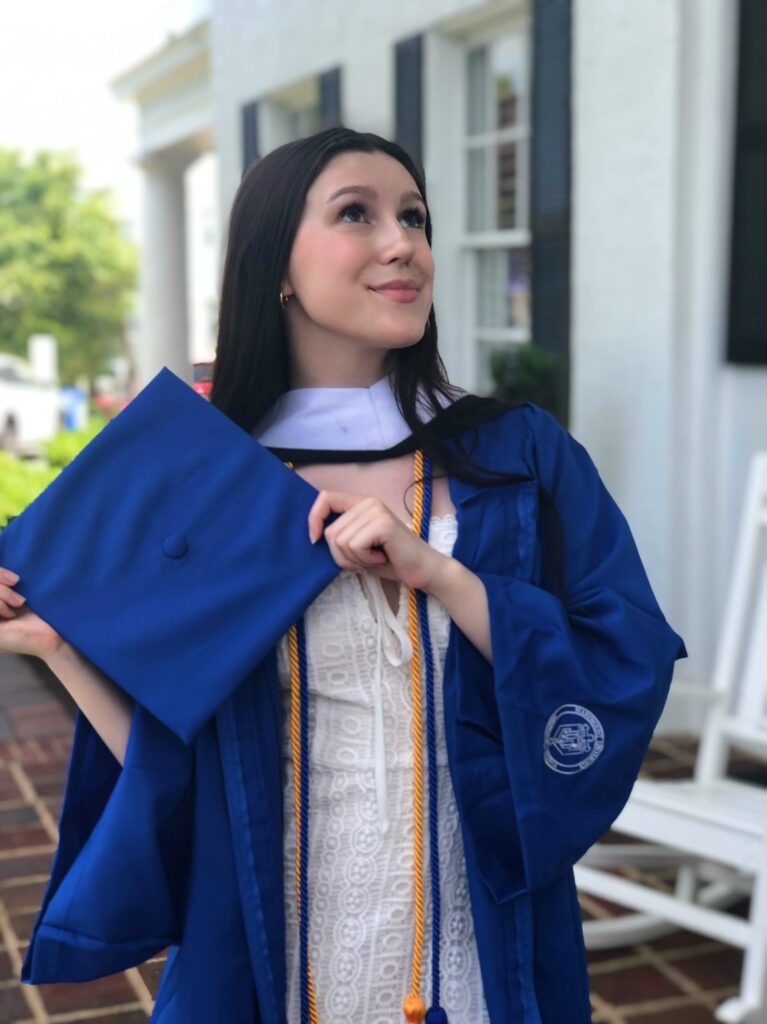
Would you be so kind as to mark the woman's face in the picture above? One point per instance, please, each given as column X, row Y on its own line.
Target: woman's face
column 363, row 228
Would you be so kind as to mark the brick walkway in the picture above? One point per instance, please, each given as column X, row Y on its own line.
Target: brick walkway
column 675, row 980
column 35, row 735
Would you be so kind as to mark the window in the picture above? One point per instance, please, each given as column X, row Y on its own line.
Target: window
column 747, row 333
column 301, row 108
column 304, row 121
column 497, row 176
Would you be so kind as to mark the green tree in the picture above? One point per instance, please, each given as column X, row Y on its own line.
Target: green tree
column 65, row 266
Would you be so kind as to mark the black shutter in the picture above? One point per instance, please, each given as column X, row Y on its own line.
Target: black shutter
column 747, row 327
column 408, row 96
column 550, row 185
column 330, row 98
column 249, row 134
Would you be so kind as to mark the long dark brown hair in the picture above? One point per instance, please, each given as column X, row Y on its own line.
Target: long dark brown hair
column 252, row 364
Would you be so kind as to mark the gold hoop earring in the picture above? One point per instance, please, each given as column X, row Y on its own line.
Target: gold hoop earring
column 284, row 300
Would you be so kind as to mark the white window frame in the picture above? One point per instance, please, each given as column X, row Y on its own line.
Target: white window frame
column 483, row 339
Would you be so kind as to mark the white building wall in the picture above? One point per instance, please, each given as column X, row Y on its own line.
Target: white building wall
column 625, row 153
column 743, row 419
column 701, row 534
column 669, row 424
column 261, row 47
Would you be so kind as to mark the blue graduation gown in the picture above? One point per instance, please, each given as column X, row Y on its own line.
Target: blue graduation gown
column 182, row 846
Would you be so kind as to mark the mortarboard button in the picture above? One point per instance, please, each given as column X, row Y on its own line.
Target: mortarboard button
column 175, row 545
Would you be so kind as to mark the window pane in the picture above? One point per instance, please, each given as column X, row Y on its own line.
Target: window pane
column 497, row 79
column 476, row 200
column 507, row 185
column 509, row 72
column 503, row 288
column 477, row 86
column 304, row 121
column 495, row 180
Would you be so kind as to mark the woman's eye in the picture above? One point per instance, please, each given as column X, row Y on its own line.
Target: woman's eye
column 356, row 207
column 417, row 217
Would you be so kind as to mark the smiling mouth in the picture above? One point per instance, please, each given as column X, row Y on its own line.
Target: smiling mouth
column 397, row 294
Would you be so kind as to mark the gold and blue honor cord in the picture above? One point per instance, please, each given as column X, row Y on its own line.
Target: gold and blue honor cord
column 413, row 1005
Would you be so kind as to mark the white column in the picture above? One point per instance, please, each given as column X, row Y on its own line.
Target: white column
column 704, row 188
column 164, row 328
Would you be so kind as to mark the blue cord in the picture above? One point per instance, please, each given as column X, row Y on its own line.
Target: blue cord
column 435, row 1015
column 303, row 706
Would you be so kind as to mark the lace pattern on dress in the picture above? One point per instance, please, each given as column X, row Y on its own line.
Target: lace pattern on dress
column 360, row 929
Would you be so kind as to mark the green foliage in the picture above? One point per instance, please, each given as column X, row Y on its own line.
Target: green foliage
column 65, row 266
column 21, row 481
column 65, row 444
column 526, row 373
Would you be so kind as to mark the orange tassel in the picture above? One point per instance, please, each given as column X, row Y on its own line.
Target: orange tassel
column 414, row 1009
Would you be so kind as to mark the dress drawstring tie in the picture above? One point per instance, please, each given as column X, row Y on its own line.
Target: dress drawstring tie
column 393, row 641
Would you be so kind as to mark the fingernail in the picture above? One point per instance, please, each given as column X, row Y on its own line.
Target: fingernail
column 13, row 576
column 22, row 599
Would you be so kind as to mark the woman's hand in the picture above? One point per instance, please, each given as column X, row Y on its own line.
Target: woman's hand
column 22, row 631
column 369, row 537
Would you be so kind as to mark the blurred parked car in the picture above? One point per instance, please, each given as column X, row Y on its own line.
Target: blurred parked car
column 202, row 378
column 109, row 395
column 30, row 410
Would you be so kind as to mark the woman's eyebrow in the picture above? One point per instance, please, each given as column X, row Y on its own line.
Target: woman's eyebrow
column 365, row 190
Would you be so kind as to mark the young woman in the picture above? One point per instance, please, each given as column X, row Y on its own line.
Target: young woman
column 468, row 701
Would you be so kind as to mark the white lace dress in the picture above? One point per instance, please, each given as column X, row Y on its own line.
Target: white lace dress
column 361, row 826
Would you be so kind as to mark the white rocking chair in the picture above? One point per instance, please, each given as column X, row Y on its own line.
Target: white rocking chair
column 712, row 827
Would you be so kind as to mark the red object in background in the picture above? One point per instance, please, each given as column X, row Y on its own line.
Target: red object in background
column 202, row 378
column 108, row 404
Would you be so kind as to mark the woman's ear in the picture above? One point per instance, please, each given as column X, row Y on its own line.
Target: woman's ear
column 286, row 285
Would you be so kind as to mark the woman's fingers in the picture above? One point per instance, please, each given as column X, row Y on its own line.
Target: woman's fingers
column 11, row 611
column 10, row 596
column 327, row 502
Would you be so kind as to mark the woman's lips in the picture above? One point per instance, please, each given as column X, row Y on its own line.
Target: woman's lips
column 397, row 294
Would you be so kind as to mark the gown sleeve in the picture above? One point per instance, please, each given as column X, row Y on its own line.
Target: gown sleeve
column 116, row 891
column 579, row 678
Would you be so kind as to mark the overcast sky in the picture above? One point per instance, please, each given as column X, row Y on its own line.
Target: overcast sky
column 56, row 61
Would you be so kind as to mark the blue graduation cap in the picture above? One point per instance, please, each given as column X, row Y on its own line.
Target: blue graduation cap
column 158, row 550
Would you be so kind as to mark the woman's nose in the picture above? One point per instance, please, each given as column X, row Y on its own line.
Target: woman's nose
column 396, row 241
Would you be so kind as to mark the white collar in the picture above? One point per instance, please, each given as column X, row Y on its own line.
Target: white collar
column 338, row 419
